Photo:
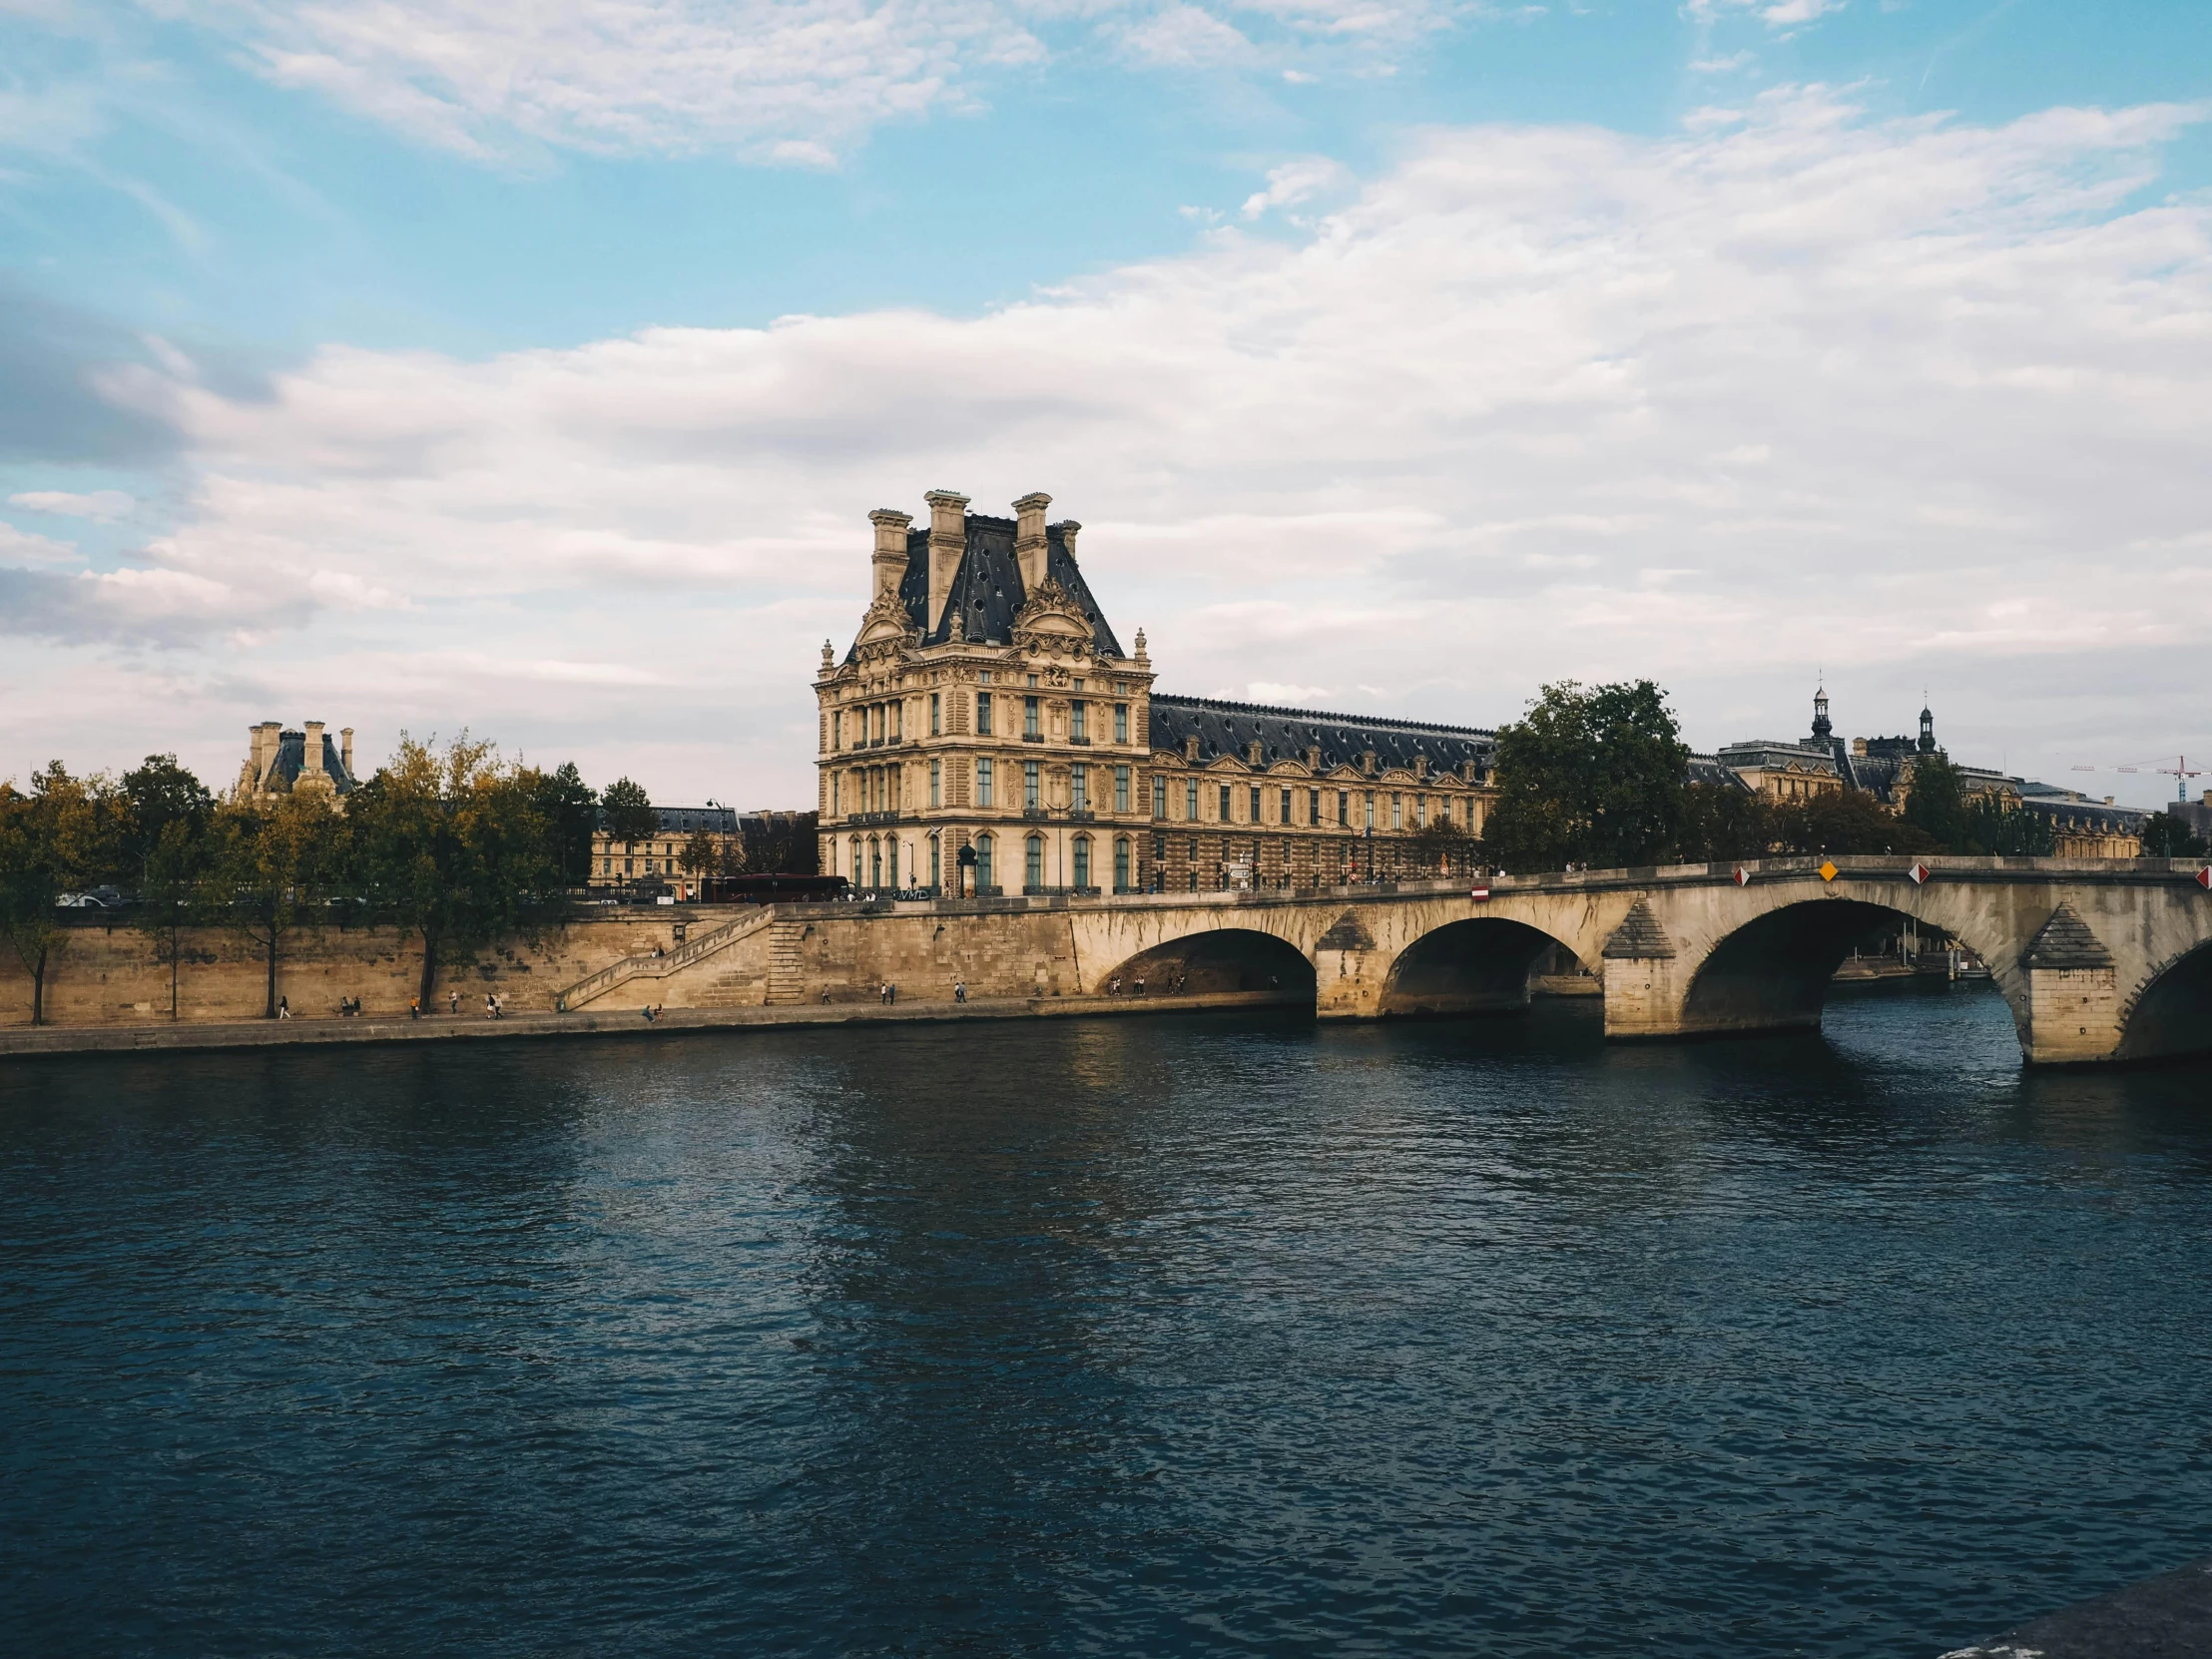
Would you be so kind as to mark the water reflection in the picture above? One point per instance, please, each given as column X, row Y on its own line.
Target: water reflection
column 1176, row 1335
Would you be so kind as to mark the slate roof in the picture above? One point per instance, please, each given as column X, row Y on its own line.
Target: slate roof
column 2066, row 942
column 291, row 760
column 1639, row 937
column 1286, row 734
column 681, row 820
column 987, row 586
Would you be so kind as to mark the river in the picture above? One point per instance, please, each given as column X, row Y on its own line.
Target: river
column 1188, row 1335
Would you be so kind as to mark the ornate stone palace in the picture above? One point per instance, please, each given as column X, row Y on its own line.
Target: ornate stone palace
column 986, row 703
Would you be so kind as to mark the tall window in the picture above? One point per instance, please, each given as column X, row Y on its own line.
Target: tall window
column 1190, row 799
column 1029, row 772
column 937, row 782
column 1121, row 789
column 1032, row 861
column 1227, row 803
column 985, row 847
column 1121, row 723
column 1029, row 716
column 937, row 713
column 1313, row 806
column 1255, row 804
column 1121, row 865
column 1082, row 861
column 1398, row 811
column 936, row 864
column 836, row 729
column 874, row 863
column 1079, row 721
column 1159, row 797
column 1344, row 809
column 879, row 723
column 1079, row 787
column 836, row 781
column 857, row 871
column 984, row 781
column 1286, row 806
column 1371, row 809
column 982, row 714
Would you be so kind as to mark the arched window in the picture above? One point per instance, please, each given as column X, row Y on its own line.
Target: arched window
column 1032, row 861
column 985, row 846
column 1082, row 861
column 1121, row 865
column 857, row 871
column 874, row 863
column 936, row 864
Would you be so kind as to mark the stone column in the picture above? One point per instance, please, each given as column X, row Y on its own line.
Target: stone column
column 2073, row 996
column 1641, row 997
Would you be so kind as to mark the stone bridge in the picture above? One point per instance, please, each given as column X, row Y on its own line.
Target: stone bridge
column 2097, row 959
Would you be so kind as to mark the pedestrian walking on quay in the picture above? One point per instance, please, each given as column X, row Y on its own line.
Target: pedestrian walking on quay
column 455, row 1006
column 415, row 1007
column 959, row 990
column 283, row 1007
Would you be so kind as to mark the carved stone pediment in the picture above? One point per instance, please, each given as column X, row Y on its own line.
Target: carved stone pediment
column 886, row 629
column 1052, row 621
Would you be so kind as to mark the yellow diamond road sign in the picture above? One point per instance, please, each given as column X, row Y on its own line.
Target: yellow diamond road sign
column 1827, row 870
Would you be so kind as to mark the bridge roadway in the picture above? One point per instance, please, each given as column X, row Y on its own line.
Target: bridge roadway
column 2098, row 959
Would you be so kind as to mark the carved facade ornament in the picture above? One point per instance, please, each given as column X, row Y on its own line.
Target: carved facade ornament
column 886, row 630
column 1051, row 620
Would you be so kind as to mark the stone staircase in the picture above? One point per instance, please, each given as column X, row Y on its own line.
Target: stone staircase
column 786, row 978
column 688, row 954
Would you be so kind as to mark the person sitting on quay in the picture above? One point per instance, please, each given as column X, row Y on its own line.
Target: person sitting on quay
column 647, row 1011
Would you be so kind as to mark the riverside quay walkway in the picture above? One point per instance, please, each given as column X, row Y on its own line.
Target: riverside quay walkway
column 2099, row 961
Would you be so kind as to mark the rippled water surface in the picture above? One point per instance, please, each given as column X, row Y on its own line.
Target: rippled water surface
column 1170, row 1336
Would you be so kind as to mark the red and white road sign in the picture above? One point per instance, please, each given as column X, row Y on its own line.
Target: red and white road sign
column 1742, row 876
column 2204, row 878
column 1479, row 893
column 1920, row 873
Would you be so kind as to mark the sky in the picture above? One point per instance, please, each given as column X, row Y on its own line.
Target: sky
column 426, row 365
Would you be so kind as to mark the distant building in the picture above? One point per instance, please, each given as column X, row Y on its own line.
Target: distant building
column 280, row 763
column 2197, row 815
column 1823, row 763
column 736, row 842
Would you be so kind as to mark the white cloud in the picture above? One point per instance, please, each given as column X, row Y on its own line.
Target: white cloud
column 1918, row 398
column 23, row 548
column 101, row 507
column 1776, row 14
column 791, row 82
column 1294, row 182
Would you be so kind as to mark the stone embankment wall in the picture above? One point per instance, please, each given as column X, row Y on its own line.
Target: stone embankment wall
column 107, row 973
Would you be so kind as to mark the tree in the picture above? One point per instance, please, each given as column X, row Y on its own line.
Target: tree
column 1591, row 775
column 171, row 893
column 1846, row 821
column 701, row 855
column 628, row 813
column 270, row 870
column 454, row 847
column 2167, row 836
column 1442, row 844
column 569, row 806
column 1996, row 824
column 1724, row 822
column 1937, row 799
column 156, row 794
column 56, row 836
column 781, row 843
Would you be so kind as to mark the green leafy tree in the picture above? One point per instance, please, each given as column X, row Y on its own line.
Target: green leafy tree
column 569, row 805
column 1724, row 822
column 1591, row 775
column 1441, row 845
column 1846, row 821
column 702, row 854
column 781, row 843
column 155, row 793
column 629, row 812
column 2167, row 836
column 1935, row 801
column 173, row 892
column 56, row 836
column 455, row 847
column 1994, row 825
column 270, row 870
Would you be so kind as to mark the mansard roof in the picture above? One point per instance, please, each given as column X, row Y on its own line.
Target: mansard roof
column 1287, row 734
column 987, row 587
column 291, row 760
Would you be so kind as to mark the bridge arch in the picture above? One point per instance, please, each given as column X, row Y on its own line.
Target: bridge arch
column 1215, row 961
column 2170, row 1013
column 1477, row 964
column 1774, row 971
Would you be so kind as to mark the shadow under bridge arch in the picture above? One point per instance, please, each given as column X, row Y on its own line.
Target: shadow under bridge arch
column 2172, row 1013
column 1774, row 972
column 1480, row 965
column 1215, row 962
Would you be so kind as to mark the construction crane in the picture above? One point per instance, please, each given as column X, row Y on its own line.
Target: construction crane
column 2180, row 772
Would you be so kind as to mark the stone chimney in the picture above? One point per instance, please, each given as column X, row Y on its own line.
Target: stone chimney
column 948, row 543
column 1068, row 527
column 345, row 749
column 1029, row 542
column 265, row 739
column 312, row 770
column 889, row 560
